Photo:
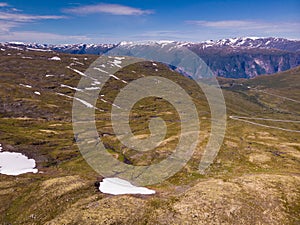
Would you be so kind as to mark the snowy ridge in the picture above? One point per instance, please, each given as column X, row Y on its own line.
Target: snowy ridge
column 98, row 49
column 254, row 42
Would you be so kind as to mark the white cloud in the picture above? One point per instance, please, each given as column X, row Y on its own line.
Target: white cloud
column 162, row 34
column 3, row 4
column 113, row 9
column 225, row 23
column 17, row 17
column 248, row 25
column 5, row 26
column 11, row 18
column 41, row 37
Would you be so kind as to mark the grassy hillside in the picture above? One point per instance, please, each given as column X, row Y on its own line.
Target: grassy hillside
column 255, row 178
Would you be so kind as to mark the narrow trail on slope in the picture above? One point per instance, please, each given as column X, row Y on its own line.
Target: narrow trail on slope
column 279, row 96
column 246, row 120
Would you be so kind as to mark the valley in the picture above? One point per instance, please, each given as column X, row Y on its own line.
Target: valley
column 254, row 179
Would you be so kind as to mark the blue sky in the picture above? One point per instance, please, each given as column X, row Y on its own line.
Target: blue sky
column 93, row 21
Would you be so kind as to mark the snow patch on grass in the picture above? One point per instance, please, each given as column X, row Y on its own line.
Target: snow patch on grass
column 72, row 88
column 25, row 85
column 92, row 88
column 117, row 186
column 55, row 58
column 13, row 163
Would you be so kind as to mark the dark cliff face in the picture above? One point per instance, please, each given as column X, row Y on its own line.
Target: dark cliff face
column 247, row 63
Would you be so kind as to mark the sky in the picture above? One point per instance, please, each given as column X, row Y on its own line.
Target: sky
column 104, row 21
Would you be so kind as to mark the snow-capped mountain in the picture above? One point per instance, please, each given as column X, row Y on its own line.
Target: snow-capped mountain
column 255, row 42
column 95, row 49
column 233, row 57
column 237, row 43
column 245, row 43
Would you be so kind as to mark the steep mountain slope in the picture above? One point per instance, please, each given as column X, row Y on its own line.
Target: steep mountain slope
column 231, row 58
column 247, row 63
column 254, row 179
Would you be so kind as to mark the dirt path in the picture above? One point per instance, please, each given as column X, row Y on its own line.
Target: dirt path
column 246, row 119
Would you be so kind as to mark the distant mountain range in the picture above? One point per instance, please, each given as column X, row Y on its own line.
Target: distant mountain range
column 246, row 57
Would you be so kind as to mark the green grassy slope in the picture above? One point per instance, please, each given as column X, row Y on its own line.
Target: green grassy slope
column 254, row 179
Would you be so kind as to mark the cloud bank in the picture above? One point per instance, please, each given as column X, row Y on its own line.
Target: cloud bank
column 113, row 9
column 260, row 26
